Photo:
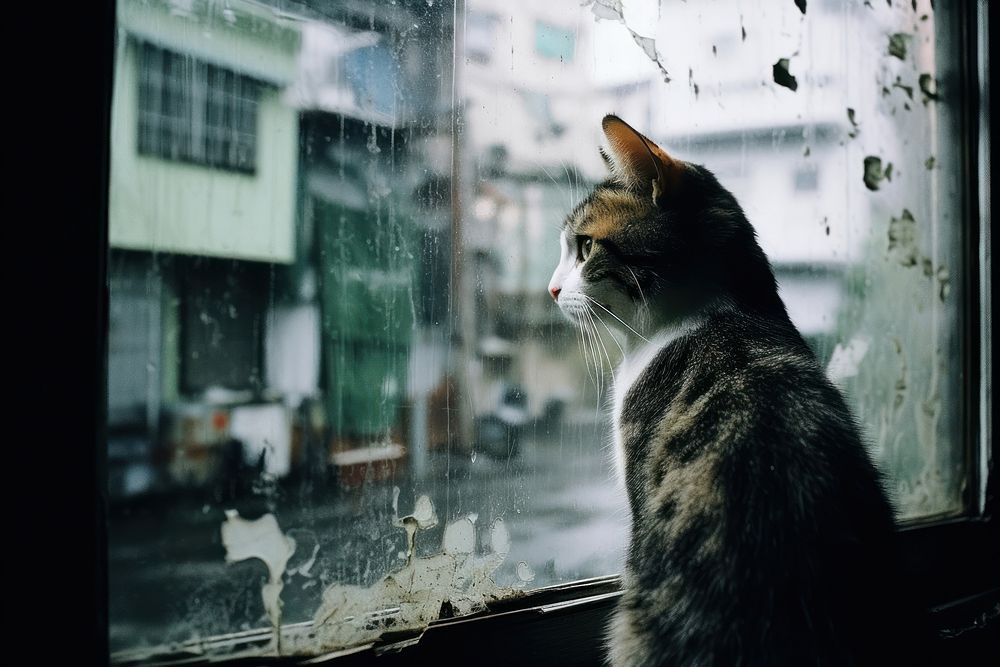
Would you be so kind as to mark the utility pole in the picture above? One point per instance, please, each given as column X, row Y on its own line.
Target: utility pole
column 462, row 307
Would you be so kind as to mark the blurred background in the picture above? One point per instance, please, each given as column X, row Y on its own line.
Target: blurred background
column 333, row 223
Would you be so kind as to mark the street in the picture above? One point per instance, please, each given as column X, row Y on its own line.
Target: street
column 169, row 581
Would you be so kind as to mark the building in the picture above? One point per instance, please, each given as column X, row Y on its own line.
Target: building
column 274, row 236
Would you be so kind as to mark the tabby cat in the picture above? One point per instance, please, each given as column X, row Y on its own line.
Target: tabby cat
column 760, row 530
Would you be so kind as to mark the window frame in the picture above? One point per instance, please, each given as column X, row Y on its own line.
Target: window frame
column 953, row 559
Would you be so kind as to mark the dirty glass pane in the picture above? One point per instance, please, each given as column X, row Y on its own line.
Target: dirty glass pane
column 340, row 399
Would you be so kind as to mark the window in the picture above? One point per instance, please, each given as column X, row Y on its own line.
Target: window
column 196, row 112
column 553, row 42
column 340, row 402
column 806, row 178
column 220, row 348
column 479, row 36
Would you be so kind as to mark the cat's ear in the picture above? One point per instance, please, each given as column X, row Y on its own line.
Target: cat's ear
column 608, row 162
column 636, row 161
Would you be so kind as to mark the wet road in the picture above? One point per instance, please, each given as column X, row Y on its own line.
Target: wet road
column 169, row 581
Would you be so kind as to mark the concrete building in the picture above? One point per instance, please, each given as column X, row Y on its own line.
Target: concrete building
column 267, row 228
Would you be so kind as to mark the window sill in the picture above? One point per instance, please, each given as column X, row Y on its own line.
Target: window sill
column 565, row 624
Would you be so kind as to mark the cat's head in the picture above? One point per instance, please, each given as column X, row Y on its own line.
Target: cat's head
column 657, row 243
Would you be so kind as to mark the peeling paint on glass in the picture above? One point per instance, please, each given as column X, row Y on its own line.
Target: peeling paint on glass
column 332, row 225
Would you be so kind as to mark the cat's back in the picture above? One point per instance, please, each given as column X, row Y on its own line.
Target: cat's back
column 729, row 381
column 761, row 531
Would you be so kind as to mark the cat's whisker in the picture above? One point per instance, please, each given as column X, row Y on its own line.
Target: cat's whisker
column 547, row 173
column 598, row 347
column 590, row 352
column 593, row 314
column 610, row 333
column 598, row 363
column 623, row 322
column 597, row 360
column 583, row 349
column 638, row 286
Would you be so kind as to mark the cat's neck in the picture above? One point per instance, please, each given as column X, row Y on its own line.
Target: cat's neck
column 647, row 334
column 655, row 338
column 660, row 332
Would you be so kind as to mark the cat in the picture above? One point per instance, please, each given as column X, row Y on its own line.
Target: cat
column 761, row 532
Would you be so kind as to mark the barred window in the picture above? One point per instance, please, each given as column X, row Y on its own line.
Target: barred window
column 192, row 111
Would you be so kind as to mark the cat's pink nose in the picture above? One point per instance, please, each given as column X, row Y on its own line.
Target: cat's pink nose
column 554, row 291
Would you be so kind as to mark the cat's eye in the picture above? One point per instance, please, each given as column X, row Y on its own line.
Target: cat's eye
column 584, row 244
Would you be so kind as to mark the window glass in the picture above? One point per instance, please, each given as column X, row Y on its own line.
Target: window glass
column 479, row 33
column 553, row 42
column 341, row 401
